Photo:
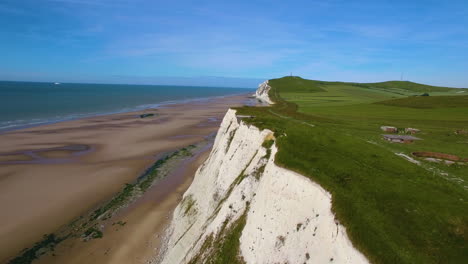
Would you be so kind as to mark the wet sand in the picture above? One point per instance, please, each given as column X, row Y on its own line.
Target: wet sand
column 139, row 240
column 51, row 174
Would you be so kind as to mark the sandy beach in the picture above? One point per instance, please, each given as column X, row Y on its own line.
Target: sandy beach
column 51, row 174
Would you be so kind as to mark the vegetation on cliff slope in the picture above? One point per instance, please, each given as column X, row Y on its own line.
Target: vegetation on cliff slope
column 225, row 246
column 395, row 211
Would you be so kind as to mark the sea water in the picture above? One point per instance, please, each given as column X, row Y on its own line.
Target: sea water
column 25, row 104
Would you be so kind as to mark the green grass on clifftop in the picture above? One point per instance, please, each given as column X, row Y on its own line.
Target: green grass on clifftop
column 429, row 101
column 394, row 211
column 410, row 86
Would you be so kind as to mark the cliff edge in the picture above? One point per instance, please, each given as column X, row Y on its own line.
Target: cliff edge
column 242, row 208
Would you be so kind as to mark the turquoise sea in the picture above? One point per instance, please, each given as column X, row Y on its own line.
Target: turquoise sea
column 25, row 104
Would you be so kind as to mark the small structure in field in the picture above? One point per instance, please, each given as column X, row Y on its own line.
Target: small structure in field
column 389, row 129
column 410, row 130
column 400, row 138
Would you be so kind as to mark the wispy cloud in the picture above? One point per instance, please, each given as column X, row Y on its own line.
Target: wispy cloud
column 12, row 10
column 92, row 2
column 374, row 31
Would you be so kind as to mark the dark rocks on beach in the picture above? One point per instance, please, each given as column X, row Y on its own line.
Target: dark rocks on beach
column 146, row 115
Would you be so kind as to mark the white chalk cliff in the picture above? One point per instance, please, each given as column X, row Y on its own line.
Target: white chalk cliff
column 284, row 217
column 262, row 93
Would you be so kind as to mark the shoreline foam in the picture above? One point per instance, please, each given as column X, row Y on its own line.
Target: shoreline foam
column 13, row 125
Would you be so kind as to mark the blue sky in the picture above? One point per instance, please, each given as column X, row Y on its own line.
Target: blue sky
column 183, row 42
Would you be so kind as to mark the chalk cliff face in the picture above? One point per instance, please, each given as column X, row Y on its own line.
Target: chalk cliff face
column 262, row 93
column 241, row 203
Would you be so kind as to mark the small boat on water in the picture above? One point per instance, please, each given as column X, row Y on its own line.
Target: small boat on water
column 57, row 83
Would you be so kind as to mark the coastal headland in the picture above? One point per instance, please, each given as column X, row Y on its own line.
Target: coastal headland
column 52, row 174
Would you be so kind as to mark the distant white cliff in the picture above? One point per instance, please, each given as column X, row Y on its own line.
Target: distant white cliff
column 278, row 216
column 262, row 93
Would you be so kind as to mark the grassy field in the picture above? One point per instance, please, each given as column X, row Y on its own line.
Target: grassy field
column 429, row 102
column 308, row 93
column 395, row 211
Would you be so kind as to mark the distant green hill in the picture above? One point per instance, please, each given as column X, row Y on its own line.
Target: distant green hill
column 296, row 84
column 410, row 86
column 312, row 93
